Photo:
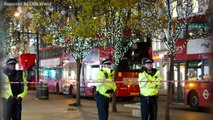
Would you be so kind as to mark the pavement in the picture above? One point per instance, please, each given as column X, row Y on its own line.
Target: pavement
column 56, row 108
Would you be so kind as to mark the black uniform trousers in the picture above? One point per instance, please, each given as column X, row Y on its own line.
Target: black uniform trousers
column 12, row 109
column 149, row 107
column 103, row 106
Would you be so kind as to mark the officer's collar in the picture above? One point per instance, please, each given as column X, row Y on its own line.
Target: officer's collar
column 153, row 71
column 9, row 72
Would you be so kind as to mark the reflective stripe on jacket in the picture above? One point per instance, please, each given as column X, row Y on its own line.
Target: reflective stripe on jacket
column 105, row 81
column 6, row 87
column 148, row 88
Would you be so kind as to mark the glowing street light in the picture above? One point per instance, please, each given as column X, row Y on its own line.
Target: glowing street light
column 17, row 14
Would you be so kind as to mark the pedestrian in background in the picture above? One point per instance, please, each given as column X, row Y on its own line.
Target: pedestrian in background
column 14, row 88
column 149, row 81
column 105, row 87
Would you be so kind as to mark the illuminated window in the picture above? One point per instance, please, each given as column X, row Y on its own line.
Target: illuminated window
column 197, row 29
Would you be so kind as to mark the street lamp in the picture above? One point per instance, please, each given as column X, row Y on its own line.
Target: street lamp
column 23, row 32
column 17, row 14
column 20, row 24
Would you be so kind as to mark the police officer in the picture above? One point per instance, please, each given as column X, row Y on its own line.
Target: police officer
column 14, row 88
column 149, row 81
column 105, row 87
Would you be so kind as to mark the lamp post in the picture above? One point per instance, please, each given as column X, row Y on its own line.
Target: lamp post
column 21, row 14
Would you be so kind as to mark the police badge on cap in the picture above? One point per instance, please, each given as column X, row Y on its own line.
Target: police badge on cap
column 107, row 61
column 11, row 61
column 149, row 60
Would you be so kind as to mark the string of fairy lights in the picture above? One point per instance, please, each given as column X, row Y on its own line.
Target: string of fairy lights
column 54, row 21
column 117, row 39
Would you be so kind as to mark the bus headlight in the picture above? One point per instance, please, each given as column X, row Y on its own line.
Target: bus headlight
column 191, row 85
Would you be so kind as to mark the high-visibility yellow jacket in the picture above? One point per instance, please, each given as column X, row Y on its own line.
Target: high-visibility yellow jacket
column 6, row 90
column 105, row 82
column 149, row 83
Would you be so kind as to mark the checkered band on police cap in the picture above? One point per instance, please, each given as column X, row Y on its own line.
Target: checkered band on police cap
column 11, row 61
column 107, row 61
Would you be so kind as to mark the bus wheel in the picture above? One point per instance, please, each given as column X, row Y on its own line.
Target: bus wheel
column 193, row 101
column 71, row 92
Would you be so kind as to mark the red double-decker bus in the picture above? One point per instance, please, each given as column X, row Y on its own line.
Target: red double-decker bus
column 50, row 65
column 193, row 64
column 128, row 70
column 27, row 64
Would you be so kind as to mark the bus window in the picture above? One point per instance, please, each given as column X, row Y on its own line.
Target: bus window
column 52, row 74
column 197, row 29
column 132, row 60
column 192, row 74
column 94, row 70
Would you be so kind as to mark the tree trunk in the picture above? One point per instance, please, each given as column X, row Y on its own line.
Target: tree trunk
column 172, row 75
column 167, row 116
column 179, row 92
column 170, row 86
column 114, row 108
column 78, row 100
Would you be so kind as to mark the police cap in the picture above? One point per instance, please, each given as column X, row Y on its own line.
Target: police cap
column 11, row 61
column 107, row 61
column 148, row 60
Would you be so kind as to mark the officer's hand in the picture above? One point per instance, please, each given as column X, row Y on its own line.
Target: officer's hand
column 18, row 98
column 110, row 95
column 157, row 86
column 10, row 98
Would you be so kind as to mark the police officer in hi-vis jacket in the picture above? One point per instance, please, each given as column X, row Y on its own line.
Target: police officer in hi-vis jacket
column 105, row 87
column 149, row 81
column 13, row 89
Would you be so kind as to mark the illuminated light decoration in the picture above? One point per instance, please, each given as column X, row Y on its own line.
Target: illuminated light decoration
column 19, row 22
column 117, row 41
column 17, row 14
column 191, row 34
